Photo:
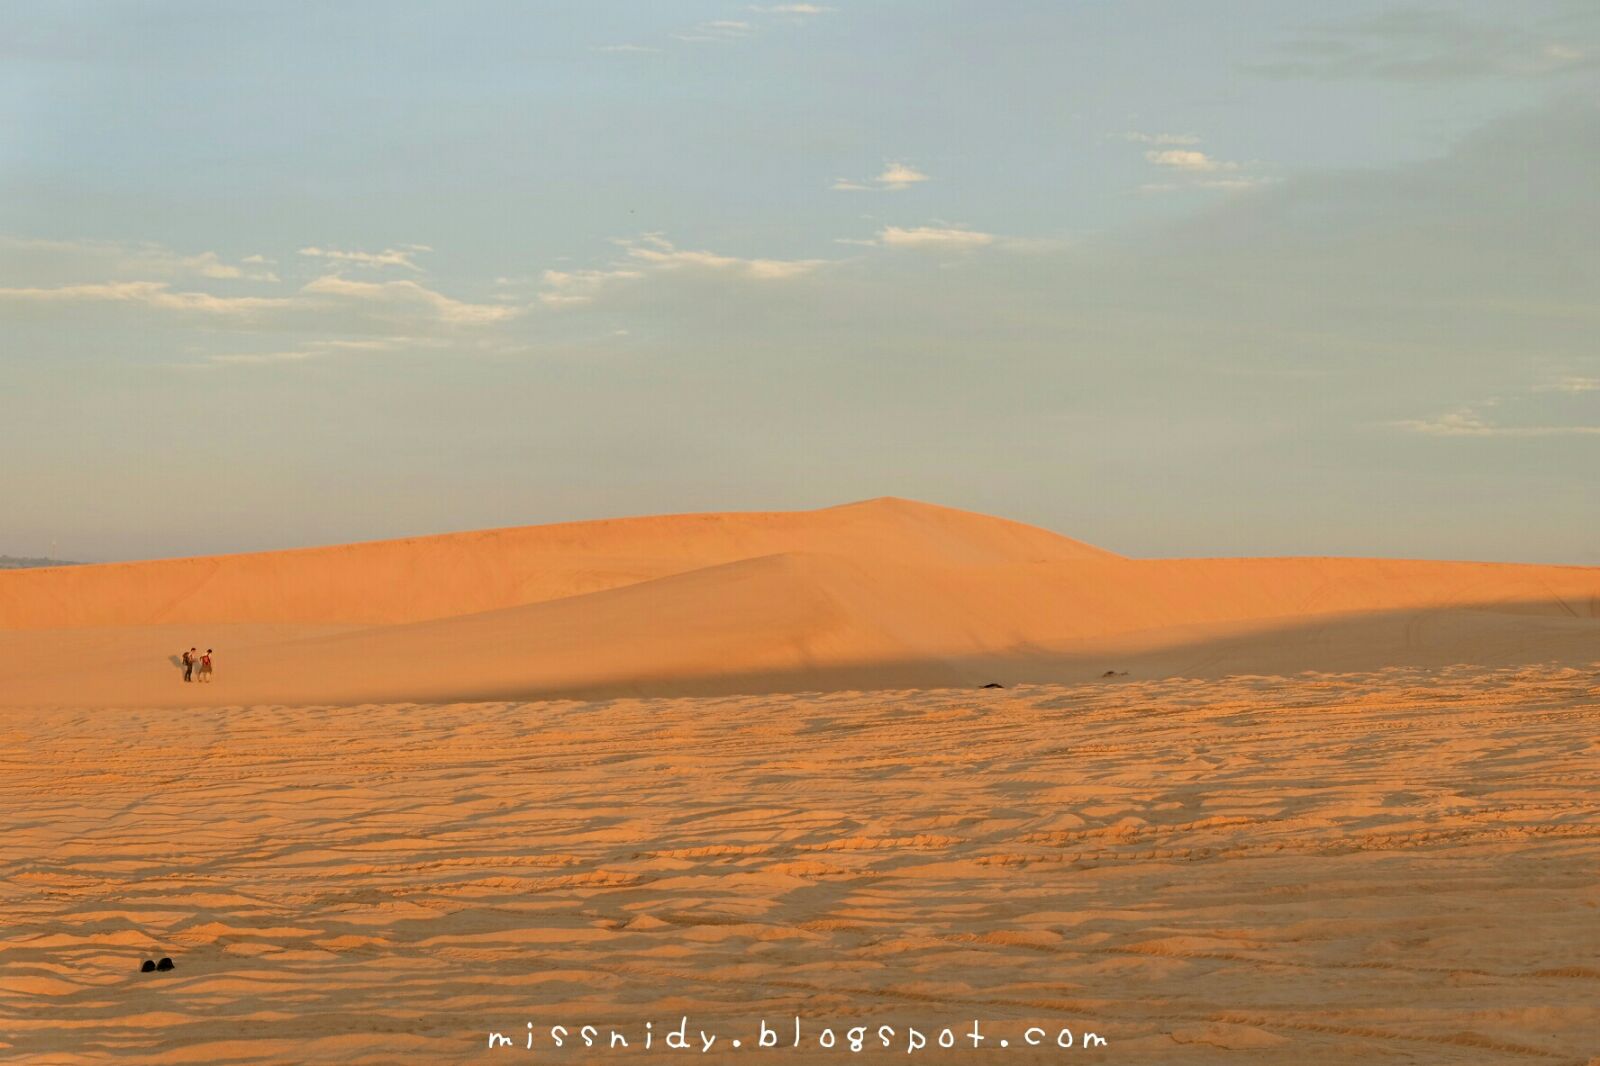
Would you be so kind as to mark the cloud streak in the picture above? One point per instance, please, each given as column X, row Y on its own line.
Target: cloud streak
column 155, row 294
column 1417, row 44
column 933, row 238
column 404, row 296
column 893, row 178
column 389, row 257
column 652, row 254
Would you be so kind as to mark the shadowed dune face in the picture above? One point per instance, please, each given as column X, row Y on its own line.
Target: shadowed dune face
column 886, row 593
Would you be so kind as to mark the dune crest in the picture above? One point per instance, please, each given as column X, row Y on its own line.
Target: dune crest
column 882, row 593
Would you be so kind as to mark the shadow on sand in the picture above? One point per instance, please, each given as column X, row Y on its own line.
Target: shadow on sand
column 1493, row 635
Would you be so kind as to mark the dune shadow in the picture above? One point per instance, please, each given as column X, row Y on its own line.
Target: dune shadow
column 1488, row 635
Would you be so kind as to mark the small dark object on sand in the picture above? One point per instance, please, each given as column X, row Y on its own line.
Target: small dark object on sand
column 148, row 967
column 164, row 964
column 994, row 684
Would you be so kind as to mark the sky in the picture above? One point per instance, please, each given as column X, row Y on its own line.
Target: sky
column 1176, row 279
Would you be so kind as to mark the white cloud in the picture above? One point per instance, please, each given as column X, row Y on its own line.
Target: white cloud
column 408, row 294
column 1161, row 138
column 157, row 294
column 1233, row 183
column 1187, row 159
column 1471, row 422
column 395, row 257
column 935, row 238
column 564, row 299
column 1571, row 384
column 1189, row 167
column 568, row 287
column 315, row 296
column 716, row 31
column 651, row 253
column 900, row 176
column 895, row 176
column 670, row 258
column 792, row 9
column 947, row 238
column 124, row 261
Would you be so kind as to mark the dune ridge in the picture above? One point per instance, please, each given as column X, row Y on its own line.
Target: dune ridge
column 882, row 593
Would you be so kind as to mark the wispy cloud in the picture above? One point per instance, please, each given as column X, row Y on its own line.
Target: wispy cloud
column 389, row 257
column 1160, row 138
column 314, row 349
column 1571, row 384
column 652, row 253
column 410, row 296
column 1473, row 421
column 1414, row 43
column 791, row 9
column 564, row 288
column 893, row 177
column 933, row 238
column 1185, row 166
column 382, row 300
column 729, row 30
column 156, row 294
column 940, row 236
column 715, row 31
column 123, row 260
column 661, row 254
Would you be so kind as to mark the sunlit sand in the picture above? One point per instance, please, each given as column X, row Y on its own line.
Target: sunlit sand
column 739, row 767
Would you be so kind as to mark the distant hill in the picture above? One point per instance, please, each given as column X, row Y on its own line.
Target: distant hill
column 13, row 562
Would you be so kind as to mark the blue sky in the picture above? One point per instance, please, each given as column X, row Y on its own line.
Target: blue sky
column 1174, row 278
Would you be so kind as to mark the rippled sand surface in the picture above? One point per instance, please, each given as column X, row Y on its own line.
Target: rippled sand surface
column 1395, row 867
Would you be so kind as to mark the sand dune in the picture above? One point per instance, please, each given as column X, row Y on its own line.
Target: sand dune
column 886, row 593
column 380, row 836
column 421, row 578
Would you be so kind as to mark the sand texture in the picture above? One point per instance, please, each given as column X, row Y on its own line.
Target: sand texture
column 1387, row 867
column 739, row 768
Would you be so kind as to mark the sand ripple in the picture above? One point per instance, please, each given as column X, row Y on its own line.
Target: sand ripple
column 1396, row 866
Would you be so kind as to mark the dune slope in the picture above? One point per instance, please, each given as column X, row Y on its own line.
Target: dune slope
column 886, row 593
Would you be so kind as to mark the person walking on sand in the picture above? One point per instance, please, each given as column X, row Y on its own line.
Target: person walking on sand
column 205, row 666
column 188, row 665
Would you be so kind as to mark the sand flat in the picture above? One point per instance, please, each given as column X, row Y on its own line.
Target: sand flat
column 1389, row 866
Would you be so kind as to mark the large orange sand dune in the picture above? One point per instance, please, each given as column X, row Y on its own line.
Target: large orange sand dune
column 885, row 593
